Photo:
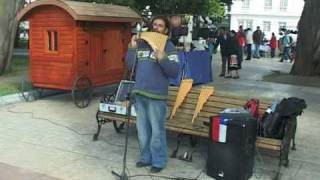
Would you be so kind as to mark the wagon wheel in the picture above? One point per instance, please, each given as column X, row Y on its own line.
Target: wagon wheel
column 39, row 92
column 118, row 127
column 81, row 92
column 27, row 92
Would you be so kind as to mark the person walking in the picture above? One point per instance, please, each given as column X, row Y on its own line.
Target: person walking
column 273, row 44
column 153, row 68
column 242, row 42
column 222, row 41
column 233, row 56
column 257, row 40
column 249, row 42
column 286, row 47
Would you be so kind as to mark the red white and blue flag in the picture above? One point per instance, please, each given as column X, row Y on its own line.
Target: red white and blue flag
column 219, row 129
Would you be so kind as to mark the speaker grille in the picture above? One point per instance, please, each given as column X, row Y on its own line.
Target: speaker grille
column 233, row 159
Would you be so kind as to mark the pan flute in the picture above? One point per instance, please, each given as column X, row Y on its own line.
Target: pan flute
column 154, row 39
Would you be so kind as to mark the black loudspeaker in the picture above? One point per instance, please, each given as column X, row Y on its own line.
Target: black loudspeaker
column 231, row 146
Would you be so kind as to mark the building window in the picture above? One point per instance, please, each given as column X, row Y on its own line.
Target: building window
column 267, row 4
column 283, row 5
column 52, row 41
column 282, row 26
column 245, row 4
column 249, row 24
column 266, row 26
column 245, row 23
column 240, row 22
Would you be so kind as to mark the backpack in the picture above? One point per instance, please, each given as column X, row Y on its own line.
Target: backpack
column 274, row 123
column 253, row 106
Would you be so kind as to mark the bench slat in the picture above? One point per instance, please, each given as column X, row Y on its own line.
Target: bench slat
column 270, row 141
column 267, row 146
column 173, row 89
column 238, row 100
column 214, row 101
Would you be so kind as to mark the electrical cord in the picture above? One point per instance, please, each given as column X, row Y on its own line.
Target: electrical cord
column 9, row 109
column 48, row 120
column 33, row 116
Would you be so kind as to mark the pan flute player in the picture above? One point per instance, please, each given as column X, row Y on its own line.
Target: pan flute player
column 153, row 68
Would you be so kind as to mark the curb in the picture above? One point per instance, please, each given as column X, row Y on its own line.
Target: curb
column 12, row 98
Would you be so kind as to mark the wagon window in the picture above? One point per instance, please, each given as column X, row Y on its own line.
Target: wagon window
column 52, row 40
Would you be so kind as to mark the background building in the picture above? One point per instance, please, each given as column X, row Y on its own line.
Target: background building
column 270, row 15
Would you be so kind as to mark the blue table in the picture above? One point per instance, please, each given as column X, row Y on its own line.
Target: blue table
column 195, row 65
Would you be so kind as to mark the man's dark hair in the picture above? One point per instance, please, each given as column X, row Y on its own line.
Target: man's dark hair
column 164, row 19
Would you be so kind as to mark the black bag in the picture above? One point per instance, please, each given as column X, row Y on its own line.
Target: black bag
column 274, row 123
column 291, row 107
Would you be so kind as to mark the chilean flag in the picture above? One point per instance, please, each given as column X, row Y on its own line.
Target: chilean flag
column 219, row 129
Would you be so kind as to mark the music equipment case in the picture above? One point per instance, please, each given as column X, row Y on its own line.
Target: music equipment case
column 234, row 158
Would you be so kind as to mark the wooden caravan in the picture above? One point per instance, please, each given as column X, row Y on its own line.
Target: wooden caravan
column 77, row 45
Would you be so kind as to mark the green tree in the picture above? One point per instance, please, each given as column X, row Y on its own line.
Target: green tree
column 130, row 3
column 199, row 7
column 8, row 29
column 202, row 7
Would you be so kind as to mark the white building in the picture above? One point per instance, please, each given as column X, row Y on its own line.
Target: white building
column 270, row 15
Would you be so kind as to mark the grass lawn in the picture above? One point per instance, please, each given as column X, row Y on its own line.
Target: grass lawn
column 10, row 82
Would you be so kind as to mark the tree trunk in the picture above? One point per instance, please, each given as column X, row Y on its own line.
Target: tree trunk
column 308, row 43
column 8, row 29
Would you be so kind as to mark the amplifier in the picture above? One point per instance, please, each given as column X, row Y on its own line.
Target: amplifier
column 120, row 104
column 116, row 108
column 232, row 145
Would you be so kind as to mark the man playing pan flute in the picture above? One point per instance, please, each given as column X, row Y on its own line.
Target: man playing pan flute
column 153, row 68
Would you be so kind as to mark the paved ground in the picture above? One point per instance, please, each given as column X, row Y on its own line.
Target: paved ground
column 52, row 139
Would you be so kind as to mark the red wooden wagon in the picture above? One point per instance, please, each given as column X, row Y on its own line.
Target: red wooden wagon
column 76, row 45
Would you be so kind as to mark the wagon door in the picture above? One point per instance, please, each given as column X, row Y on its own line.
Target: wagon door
column 97, row 64
column 106, row 56
column 113, row 49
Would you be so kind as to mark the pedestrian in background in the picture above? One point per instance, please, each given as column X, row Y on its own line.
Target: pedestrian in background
column 273, row 44
column 257, row 39
column 249, row 42
column 233, row 56
column 286, row 47
column 242, row 42
column 222, row 41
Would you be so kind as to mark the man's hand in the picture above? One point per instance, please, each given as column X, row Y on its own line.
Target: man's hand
column 133, row 43
column 159, row 54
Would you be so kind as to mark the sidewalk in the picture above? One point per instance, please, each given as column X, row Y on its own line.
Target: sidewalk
column 52, row 139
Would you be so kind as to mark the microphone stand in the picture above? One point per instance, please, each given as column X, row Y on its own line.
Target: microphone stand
column 123, row 175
